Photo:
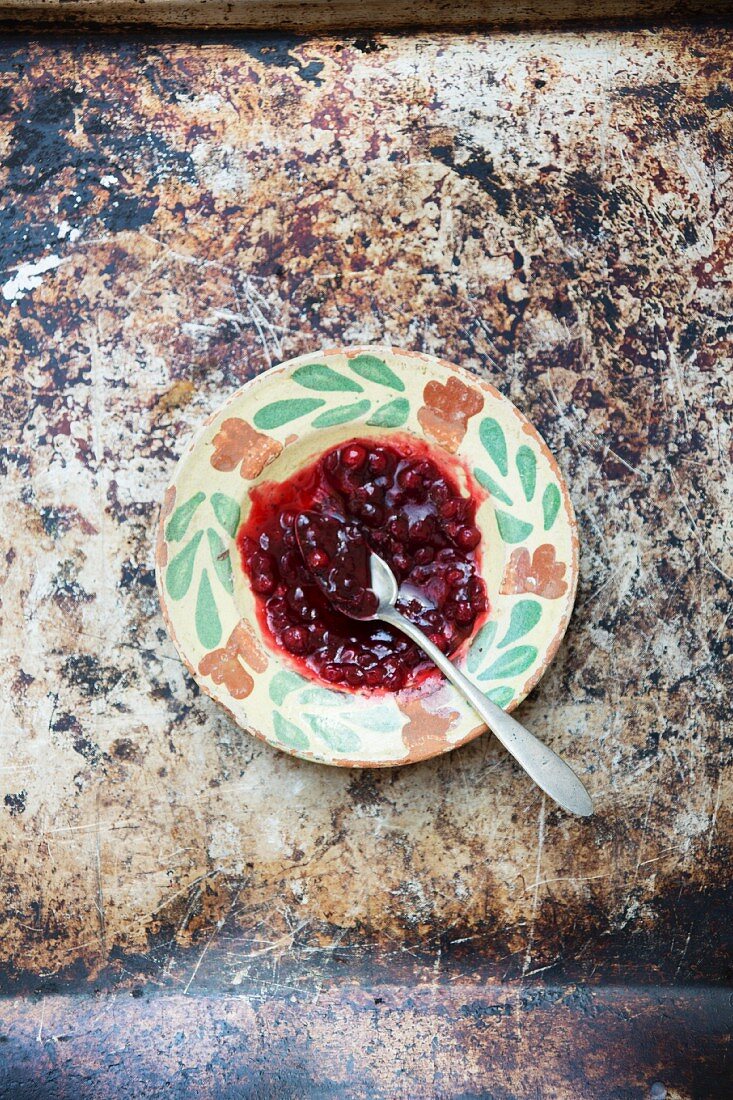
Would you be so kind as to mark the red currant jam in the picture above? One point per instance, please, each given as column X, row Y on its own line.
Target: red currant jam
column 407, row 507
column 337, row 555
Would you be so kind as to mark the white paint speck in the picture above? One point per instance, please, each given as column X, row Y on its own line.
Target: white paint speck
column 692, row 823
column 299, row 890
column 28, row 276
column 223, row 168
column 225, row 846
column 65, row 230
column 109, row 181
column 462, row 890
column 209, row 102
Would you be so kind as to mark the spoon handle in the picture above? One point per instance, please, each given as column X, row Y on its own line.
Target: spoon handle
column 548, row 770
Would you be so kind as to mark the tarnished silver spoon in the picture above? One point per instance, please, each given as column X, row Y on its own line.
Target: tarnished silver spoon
column 544, row 766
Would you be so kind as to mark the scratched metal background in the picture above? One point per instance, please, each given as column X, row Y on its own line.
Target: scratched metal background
column 188, row 912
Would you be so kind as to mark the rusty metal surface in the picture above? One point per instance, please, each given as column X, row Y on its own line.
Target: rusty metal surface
column 551, row 211
column 307, row 16
column 381, row 1043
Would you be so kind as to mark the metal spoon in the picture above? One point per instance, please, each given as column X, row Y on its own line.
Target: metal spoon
column 549, row 772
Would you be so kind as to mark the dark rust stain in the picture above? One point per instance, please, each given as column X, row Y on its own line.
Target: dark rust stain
column 405, row 1041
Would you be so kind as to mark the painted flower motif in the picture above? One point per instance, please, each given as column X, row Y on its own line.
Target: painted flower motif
column 541, row 574
column 225, row 668
column 447, row 410
column 224, row 665
column 161, row 550
column 247, row 645
column 238, row 442
column 425, row 732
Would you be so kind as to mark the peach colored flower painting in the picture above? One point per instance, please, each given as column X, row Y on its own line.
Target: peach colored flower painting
column 447, row 410
column 238, row 442
column 539, row 574
column 224, row 665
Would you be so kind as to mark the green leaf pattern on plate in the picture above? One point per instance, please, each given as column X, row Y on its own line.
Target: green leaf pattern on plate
column 392, row 415
column 221, row 559
column 376, row 370
column 342, row 414
column 515, row 526
column 315, row 696
column 493, row 439
column 317, row 376
column 289, row 733
column 334, row 716
column 527, row 467
column 511, row 663
column 480, row 647
column 282, row 683
column 226, row 511
column 378, row 719
column 337, row 735
column 524, row 617
column 208, row 624
column 502, row 696
column 180, row 570
column 492, row 486
column 550, row 505
column 512, row 529
column 278, row 413
column 178, row 523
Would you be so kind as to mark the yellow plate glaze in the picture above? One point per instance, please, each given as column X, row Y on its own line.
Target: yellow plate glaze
column 291, row 414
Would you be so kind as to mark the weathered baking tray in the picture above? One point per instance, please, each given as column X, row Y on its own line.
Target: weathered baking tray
column 186, row 911
column 307, row 16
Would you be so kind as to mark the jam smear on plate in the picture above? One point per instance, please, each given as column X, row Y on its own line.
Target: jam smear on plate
column 406, row 506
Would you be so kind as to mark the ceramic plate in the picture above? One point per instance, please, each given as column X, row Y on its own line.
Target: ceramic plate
column 285, row 418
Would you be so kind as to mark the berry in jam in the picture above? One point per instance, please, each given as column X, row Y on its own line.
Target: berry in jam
column 337, row 556
column 395, row 499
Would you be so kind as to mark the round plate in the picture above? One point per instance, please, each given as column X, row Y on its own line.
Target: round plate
column 288, row 416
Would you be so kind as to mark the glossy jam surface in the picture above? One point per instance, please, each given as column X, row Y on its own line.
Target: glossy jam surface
column 337, row 555
column 405, row 505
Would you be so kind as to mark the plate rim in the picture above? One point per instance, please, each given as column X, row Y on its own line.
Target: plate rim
column 417, row 753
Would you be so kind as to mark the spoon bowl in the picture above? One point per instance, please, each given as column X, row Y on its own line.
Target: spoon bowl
column 384, row 584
